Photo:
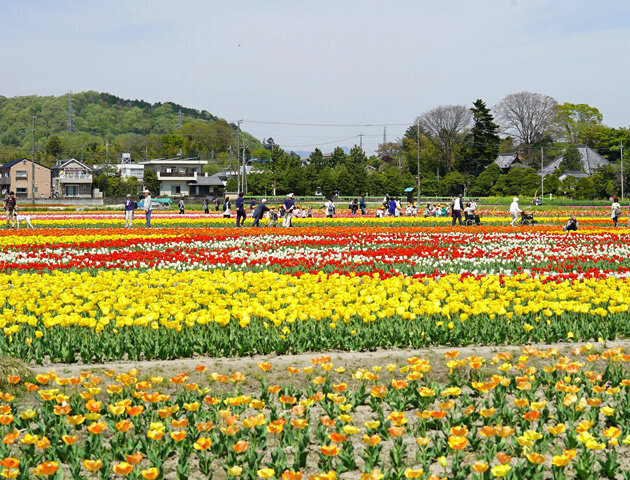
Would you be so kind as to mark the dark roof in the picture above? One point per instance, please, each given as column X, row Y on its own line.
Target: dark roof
column 590, row 159
column 14, row 162
column 211, row 181
column 506, row 160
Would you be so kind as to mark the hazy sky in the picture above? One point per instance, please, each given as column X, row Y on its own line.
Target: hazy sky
column 321, row 61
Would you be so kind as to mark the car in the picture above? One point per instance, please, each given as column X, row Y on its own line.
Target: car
column 158, row 203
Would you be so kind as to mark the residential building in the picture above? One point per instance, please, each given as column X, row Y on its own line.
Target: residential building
column 72, row 179
column 591, row 162
column 17, row 176
column 207, row 185
column 176, row 175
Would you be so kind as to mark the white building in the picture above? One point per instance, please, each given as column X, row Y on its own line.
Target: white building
column 176, row 174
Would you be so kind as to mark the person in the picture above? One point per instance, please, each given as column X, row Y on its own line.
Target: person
column 379, row 211
column 330, row 208
column 226, row 207
column 252, row 207
column 355, row 206
column 362, row 205
column 398, row 211
column 129, row 208
column 409, row 210
column 281, row 211
column 309, row 213
column 147, row 207
column 429, row 212
column 204, row 205
column 615, row 211
column 215, row 200
column 241, row 215
column 289, row 205
column 457, row 206
column 514, row 211
column 571, row 226
column 415, row 209
column 273, row 217
column 260, row 211
column 181, row 206
column 469, row 214
column 297, row 212
column 473, row 205
column 386, row 202
column 392, row 207
column 10, row 205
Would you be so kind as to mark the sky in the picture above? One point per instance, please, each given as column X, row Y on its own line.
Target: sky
column 276, row 64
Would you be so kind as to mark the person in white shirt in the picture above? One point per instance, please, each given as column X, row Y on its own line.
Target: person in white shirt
column 330, row 209
column 456, row 210
column 615, row 211
column 147, row 207
column 514, row 210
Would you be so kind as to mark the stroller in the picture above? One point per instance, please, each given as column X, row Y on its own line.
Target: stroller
column 527, row 219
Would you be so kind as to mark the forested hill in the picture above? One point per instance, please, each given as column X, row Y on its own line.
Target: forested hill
column 100, row 118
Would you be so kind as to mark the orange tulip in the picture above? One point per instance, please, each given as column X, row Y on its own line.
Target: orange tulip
column 97, row 428
column 123, row 425
column 134, row 459
column 457, row 442
column 371, row 440
column 202, row 443
column 240, row 446
column 69, row 439
column 179, row 436
column 150, row 473
column 123, row 468
column 330, row 450
column 10, row 463
column 396, row 432
column 291, row 475
column 46, row 468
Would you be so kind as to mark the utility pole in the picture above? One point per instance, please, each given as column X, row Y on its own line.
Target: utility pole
column 384, row 135
column 621, row 153
column 361, row 140
column 238, row 153
column 542, row 174
column 33, row 161
column 244, row 173
column 418, row 157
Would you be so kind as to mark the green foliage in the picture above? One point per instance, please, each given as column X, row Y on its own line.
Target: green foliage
column 134, row 126
column 575, row 123
column 571, row 160
column 452, row 183
column 584, row 188
column 116, row 186
column 485, row 181
column 482, row 142
column 151, row 182
column 552, row 183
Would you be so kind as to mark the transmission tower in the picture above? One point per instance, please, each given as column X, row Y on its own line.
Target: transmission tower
column 70, row 113
column 179, row 119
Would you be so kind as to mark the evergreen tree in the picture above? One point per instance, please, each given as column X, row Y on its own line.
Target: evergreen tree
column 483, row 139
column 151, row 182
column 571, row 160
column 337, row 158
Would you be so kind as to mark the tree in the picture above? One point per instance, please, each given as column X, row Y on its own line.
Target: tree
column 338, row 156
column 483, row 140
column 526, row 115
column 584, row 188
column 442, row 126
column 575, row 123
column 485, row 181
column 452, row 183
column 571, row 160
column 151, row 182
column 552, row 183
column 388, row 151
column 54, row 146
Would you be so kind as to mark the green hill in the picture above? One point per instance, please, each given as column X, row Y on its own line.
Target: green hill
column 135, row 126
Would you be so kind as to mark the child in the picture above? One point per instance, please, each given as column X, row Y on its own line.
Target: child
column 379, row 212
column 310, row 212
column 409, row 210
column 273, row 217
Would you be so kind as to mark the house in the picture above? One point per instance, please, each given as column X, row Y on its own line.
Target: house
column 208, row 185
column 506, row 161
column 17, row 176
column 591, row 162
column 176, row 175
column 71, row 179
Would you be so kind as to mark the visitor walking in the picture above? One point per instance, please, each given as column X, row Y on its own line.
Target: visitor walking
column 226, row 207
column 147, row 207
column 129, row 208
column 330, row 208
column 204, row 205
column 456, row 210
column 215, row 200
column 392, row 207
column 615, row 211
column 10, row 205
column 241, row 215
column 362, row 205
column 260, row 211
column 289, row 205
column 514, row 211
column 181, row 206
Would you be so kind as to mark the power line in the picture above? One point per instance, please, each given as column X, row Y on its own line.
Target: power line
column 261, row 122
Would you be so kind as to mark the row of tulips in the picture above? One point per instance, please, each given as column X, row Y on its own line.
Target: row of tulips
column 534, row 414
column 114, row 314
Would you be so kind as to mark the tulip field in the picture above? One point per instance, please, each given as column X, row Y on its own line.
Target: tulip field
column 346, row 348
